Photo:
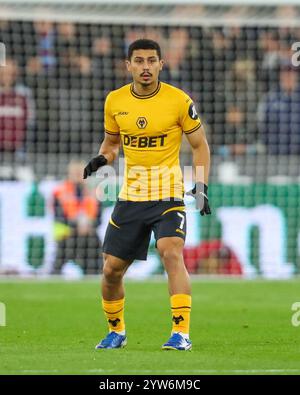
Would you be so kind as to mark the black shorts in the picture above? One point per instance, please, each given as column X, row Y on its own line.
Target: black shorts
column 129, row 230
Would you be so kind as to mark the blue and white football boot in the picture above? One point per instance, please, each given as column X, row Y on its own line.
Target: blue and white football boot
column 177, row 342
column 112, row 340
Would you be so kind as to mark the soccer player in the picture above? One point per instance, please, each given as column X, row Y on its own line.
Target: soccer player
column 149, row 118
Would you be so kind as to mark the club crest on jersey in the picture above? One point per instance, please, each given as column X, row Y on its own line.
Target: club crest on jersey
column 141, row 122
column 192, row 111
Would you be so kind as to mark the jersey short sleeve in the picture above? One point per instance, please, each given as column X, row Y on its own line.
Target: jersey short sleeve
column 110, row 124
column 189, row 119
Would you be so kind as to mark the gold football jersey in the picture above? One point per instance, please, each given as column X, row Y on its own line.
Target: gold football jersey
column 151, row 129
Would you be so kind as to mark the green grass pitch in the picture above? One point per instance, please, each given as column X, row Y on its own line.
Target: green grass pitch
column 238, row 327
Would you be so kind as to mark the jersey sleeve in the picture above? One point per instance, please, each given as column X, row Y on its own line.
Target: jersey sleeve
column 110, row 124
column 188, row 119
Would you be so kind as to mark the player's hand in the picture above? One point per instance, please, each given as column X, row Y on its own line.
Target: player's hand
column 94, row 165
column 199, row 192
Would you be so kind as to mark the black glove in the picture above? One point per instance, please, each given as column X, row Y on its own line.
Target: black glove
column 199, row 192
column 94, row 165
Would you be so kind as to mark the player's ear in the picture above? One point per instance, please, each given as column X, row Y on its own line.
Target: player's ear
column 161, row 64
column 127, row 62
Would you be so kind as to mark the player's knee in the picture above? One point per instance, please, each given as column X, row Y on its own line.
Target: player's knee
column 170, row 249
column 111, row 271
column 111, row 274
column 170, row 254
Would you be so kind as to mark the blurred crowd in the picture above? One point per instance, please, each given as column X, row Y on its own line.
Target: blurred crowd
column 57, row 76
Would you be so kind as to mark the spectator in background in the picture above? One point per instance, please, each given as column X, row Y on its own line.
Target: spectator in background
column 132, row 34
column 272, row 49
column 40, row 74
column 155, row 34
column 238, row 36
column 5, row 30
column 279, row 114
column 241, row 105
column 103, row 74
column 103, row 63
column 241, row 85
column 288, row 16
column 212, row 257
column 77, row 216
column 69, row 109
column 16, row 110
column 212, row 94
column 175, row 57
column 238, row 136
column 44, row 59
column 73, row 61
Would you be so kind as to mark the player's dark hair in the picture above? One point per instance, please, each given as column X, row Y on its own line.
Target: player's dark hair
column 143, row 43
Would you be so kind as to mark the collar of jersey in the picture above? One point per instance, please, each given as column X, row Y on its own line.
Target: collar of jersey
column 145, row 96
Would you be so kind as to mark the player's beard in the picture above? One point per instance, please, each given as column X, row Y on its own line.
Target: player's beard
column 146, row 83
column 151, row 83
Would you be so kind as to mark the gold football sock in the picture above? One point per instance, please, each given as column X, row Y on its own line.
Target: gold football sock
column 181, row 310
column 114, row 312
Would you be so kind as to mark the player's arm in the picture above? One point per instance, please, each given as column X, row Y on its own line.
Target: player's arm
column 201, row 163
column 201, row 154
column 110, row 147
column 108, row 152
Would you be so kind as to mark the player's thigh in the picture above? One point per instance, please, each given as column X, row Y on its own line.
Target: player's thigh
column 169, row 243
column 127, row 236
column 128, row 243
column 171, row 225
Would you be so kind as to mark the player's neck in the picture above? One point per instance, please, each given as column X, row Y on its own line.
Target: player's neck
column 145, row 90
